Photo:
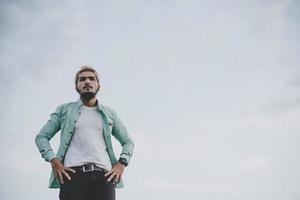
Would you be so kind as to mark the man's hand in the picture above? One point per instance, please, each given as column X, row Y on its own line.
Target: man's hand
column 116, row 172
column 60, row 171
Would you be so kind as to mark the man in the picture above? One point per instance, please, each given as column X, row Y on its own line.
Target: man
column 85, row 167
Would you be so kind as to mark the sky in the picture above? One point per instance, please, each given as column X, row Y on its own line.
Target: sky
column 209, row 91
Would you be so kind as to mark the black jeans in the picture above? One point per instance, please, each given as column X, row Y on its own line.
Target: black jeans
column 87, row 186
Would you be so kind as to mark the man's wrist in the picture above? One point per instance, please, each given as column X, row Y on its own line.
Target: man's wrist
column 53, row 159
column 123, row 161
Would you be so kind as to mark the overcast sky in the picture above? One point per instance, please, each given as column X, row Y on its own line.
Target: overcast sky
column 209, row 90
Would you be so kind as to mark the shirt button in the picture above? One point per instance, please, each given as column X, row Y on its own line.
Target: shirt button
column 75, row 121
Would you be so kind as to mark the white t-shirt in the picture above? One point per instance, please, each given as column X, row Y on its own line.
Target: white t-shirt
column 87, row 144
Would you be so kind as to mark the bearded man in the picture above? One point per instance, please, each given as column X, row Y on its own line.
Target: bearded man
column 85, row 166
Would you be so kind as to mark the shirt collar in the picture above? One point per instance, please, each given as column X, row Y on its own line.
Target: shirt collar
column 80, row 104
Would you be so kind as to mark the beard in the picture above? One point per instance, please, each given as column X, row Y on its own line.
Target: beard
column 86, row 96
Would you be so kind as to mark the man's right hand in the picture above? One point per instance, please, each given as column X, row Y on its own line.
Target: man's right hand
column 60, row 171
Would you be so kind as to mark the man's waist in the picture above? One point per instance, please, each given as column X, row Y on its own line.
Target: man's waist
column 89, row 167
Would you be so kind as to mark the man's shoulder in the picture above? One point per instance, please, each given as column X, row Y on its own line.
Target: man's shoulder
column 67, row 105
column 107, row 108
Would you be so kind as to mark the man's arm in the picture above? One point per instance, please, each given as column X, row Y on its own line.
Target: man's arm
column 46, row 134
column 42, row 142
column 120, row 133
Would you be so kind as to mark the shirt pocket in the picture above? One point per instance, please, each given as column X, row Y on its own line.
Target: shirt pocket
column 110, row 124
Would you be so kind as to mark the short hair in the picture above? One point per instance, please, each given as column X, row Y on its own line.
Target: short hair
column 86, row 68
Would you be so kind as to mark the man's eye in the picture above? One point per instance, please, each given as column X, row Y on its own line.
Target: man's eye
column 92, row 79
column 82, row 79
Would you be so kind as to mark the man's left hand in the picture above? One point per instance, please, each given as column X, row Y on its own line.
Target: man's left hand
column 115, row 173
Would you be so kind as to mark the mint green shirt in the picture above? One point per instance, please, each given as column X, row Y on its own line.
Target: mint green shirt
column 64, row 119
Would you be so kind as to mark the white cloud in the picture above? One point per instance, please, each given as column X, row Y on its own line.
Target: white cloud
column 204, row 88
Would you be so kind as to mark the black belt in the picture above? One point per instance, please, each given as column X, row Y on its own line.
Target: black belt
column 88, row 168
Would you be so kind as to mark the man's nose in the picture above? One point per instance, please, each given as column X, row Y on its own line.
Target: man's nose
column 87, row 80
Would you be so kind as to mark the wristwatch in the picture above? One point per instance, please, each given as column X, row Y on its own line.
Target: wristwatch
column 123, row 161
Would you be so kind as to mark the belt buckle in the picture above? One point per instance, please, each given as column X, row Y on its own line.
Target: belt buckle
column 88, row 170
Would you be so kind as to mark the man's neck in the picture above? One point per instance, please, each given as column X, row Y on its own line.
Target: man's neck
column 89, row 103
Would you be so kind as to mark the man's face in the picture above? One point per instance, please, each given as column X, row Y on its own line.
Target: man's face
column 87, row 82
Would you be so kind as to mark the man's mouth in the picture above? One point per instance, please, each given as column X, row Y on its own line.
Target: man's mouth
column 87, row 87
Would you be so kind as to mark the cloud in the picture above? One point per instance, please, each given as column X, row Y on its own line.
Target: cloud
column 202, row 87
column 282, row 106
